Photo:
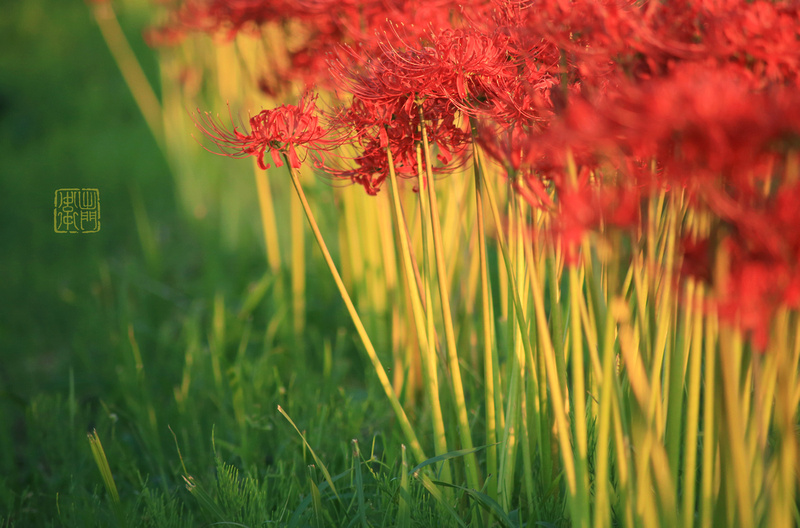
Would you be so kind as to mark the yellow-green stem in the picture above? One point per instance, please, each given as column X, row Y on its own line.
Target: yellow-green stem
column 579, row 403
column 400, row 413
column 130, row 68
column 693, row 409
column 486, row 322
column 429, row 370
column 731, row 352
column 602, row 513
column 270, row 229
column 473, row 480
column 709, row 454
column 581, row 505
column 298, row 273
column 546, row 349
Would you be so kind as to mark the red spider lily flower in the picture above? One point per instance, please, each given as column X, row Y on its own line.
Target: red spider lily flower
column 281, row 130
column 762, row 36
column 697, row 259
column 590, row 207
column 374, row 127
column 700, row 123
column 754, row 289
column 213, row 16
column 759, row 248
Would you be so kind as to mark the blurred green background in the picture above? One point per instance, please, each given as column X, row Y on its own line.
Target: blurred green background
column 67, row 120
column 68, row 301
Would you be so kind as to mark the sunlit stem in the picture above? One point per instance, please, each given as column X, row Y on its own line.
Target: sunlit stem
column 426, row 346
column 517, row 228
column 602, row 514
column 298, row 273
column 268, row 224
column 731, row 348
column 693, row 408
column 785, row 418
column 546, row 348
column 486, row 321
column 414, row 444
column 710, row 446
column 581, row 509
column 130, row 68
column 473, row 479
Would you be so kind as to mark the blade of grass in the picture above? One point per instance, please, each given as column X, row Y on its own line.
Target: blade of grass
column 359, row 484
column 487, row 503
column 318, row 461
column 108, row 478
column 205, row 500
column 316, row 498
column 404, row 508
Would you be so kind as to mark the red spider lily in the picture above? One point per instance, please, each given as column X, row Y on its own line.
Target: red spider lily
column 475, row 71
column 589, row 207
column 374, row 127
column 228, row 16
column 394, row 95
column 698, row 258
column 314, row 29
column 761, row 36
column 700, row 123
column 753, row 291
column 759, row 270
column 505, row 145
column 280, row 131
column 468, row 66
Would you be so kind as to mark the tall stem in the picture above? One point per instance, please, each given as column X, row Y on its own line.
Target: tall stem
column 452, row 355
column 546, row 348
column 486, row 320
column 414, row 444
column 426, row 344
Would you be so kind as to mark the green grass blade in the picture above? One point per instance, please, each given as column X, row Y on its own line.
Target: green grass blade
column 404, row 508
column 316, row 499
column 487, row 503
column 294, row 520
column 447, row 456
column 204, row 499
column 430, row 485
column 318, row 461
column 362, row 512
column 108, row 478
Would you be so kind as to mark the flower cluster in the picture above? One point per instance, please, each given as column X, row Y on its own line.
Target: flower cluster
column 588, row 108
